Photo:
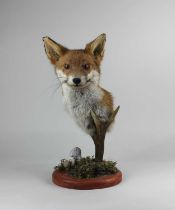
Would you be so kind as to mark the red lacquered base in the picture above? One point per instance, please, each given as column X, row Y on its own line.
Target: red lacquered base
column 64, row 180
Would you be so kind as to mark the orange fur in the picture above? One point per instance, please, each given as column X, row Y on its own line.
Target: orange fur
column 92, row 55
column 76, row 59
column 107, row 99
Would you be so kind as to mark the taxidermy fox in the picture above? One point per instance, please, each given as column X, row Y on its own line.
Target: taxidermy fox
column 79, row 73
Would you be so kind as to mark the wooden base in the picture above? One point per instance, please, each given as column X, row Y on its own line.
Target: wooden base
column 64, row 180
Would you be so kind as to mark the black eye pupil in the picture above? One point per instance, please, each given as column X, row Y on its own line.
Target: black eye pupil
column 86, row 66
column 66, row 66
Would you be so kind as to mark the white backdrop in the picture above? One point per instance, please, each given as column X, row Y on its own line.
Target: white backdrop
column 36, row 132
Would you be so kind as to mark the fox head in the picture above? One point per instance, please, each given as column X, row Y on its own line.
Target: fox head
column 76, row 68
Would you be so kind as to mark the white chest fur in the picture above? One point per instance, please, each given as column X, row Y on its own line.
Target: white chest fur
column 79, row 103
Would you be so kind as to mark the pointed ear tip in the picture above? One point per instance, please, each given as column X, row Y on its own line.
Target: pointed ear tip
column 44, row 38
column 103, row 35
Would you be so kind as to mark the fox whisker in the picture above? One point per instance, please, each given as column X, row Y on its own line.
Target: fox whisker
column 59, row 77
column 57, row 88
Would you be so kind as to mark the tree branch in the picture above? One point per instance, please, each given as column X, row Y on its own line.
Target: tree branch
column 101, row 129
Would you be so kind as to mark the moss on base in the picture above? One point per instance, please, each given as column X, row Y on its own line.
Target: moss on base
column 87, row 167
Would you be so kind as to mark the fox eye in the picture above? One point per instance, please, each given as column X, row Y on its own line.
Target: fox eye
column 86, row 66
column 66, row 66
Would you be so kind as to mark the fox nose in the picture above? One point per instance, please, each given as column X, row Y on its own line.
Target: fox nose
column 76, row 80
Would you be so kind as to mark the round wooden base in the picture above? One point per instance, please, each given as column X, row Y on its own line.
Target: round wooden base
column 64, row 180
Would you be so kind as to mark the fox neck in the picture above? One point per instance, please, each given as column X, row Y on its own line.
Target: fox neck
column 80, row 102
column 83, row 98
column 87, row 91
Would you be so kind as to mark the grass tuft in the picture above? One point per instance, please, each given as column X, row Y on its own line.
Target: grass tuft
column 87, row 167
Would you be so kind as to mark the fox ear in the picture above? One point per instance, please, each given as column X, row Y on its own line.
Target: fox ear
column 96, row 47
column 53, row 50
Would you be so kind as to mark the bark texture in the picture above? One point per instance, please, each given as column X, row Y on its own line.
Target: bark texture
column 99, row 136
